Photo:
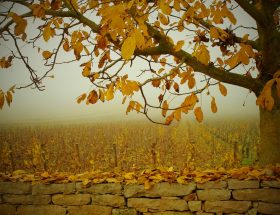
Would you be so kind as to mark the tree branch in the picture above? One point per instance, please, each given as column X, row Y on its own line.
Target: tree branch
column 210, row 70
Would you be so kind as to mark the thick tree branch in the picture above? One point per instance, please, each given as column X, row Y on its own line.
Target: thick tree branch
column 219, row 74
column 210, row 70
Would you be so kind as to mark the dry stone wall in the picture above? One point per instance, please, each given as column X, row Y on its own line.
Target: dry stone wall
column 215, row 197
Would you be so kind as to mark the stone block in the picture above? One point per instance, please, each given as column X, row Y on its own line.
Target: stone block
column 252, row 211
column 158, row 204
column 190, row 197
column 227, row 206
column 108, row 200
column 71, row 199
column 41, row 210
column 124, row 211
column 194, row 205
column 44, row 189
column 15, row 188
column 169, row 213
column 110, row 188
column 273, row 184
column 203, row 213
column 212, row 185
column 268, row 208
column 213, row 194
column 27, row 199
column 89, row 209
column 7, row 209
column 265, row 195
column 234, row 184
column 159, row 190
column 142, row 210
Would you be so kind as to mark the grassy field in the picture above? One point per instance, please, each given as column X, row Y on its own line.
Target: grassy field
column 134, row 145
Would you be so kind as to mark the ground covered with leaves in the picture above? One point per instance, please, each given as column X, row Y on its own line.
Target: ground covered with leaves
column 148, row 177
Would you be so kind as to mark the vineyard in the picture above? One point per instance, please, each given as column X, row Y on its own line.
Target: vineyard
column 135, row 145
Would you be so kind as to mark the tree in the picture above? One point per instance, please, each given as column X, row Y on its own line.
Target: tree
column 116, row 34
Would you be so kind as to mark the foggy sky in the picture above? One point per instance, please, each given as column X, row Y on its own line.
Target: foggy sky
column 58, row 101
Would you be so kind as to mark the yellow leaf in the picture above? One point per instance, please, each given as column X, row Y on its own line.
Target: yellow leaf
column 101, row 95
column 220, row 61
column 176, row 5
column 47, row 54
column 160, row 70
column 248, row 50
column 245, row 38
column 223, row 89
column 243, row 57
column 130, row 4
column 110, row 93
column 177, row 114
column 38, row 10
column 138, row 107
column 19, row 172
column 233, row 60
column 66, row 46
column 112, row 180
column 191, row 82
column 129, row 175
column 130, row 106
column 181, row 180
column 163, row 19
column 148, row 184
column 86, row 71
column 265, row 100
column 213, row 105
column 163, row 61
column 156, row 82
column 165, row 7
column 45, row 174
column 184, row 77
column 176, row 87
column 2, row 99
column 20, row 23
column 92, row 97
column 78, row 48
column 9, row 97
column 86, row 182
column 198, row 114
column 225, row 12
column 190, row 101
column 202, row 54
column 179, row 45
column 169, row 119
column 86, row 50
column 128, row 48
column 12, row 88
column 48, row 32
column 214, row 33
column 164, row 108
column 81, row 98
column 217, row 16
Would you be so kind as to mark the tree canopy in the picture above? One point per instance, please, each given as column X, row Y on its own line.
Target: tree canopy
column 174, row 40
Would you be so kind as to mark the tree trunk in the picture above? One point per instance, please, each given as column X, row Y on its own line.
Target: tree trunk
column 269, row 149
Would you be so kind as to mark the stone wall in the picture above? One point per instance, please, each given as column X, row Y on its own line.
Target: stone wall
column 215, row 197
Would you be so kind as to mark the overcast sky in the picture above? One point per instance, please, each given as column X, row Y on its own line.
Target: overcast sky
column 58, row 101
